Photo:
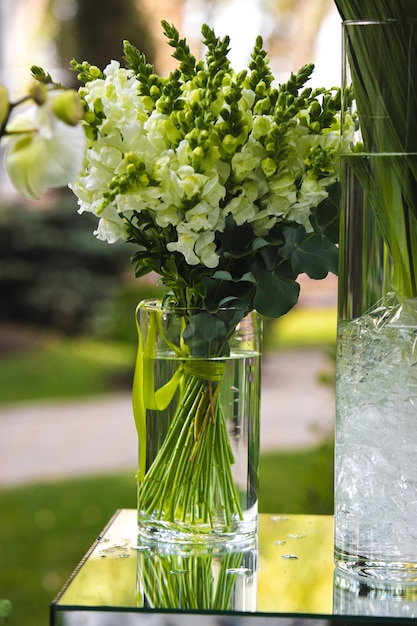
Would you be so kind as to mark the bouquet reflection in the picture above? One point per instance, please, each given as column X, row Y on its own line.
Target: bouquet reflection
column 193, row 577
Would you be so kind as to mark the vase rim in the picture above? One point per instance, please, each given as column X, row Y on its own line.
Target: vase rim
column 382, row 22
column 158, row 305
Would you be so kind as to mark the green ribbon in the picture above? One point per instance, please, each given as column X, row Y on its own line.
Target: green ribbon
column 144, row 395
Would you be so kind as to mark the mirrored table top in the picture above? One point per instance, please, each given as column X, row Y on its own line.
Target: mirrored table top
column 286, row 574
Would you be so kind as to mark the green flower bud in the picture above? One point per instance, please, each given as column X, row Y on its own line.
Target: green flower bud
column 260, row 88
column 148, row 103
column 198, row 153
column 315, row 109
column 358, row 147
column 4, row 104
column 67, row 107
column 269, row 167
column 95, row 72
column 38, row 93
column 229, row 144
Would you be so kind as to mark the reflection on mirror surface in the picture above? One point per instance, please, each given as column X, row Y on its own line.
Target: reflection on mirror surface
column 354, row 595
column 289, row 576
column 197, row 579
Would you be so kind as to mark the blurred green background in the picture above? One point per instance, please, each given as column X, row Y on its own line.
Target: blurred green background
column 67, row 306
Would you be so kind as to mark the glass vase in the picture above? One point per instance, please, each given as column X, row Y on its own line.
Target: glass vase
column 371, row 597
column 196, row 398
column 376, row 367
column 198, row 578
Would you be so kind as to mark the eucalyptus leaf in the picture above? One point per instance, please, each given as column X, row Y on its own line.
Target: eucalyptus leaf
column 204, row 334
column 259, row 242
column 325, row 219
column 309, row 253
column 222, row 275
column 275, row 295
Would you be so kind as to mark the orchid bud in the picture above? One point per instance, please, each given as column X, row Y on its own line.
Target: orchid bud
column 4, row 104
column 66, row 106
column 41, row 155
column 38, row 93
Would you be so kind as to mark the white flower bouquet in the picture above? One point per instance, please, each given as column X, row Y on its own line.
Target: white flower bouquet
column 227, row 187
column 217, row 176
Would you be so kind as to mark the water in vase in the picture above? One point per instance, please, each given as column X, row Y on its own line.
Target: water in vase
column 204, row 486
column 376, row 443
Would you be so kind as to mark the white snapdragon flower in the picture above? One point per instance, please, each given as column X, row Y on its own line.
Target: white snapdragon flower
column 263, row 223
column 185, row 244
column 187, row 183
column 283, row 195
column 166, row 214
column 206, row 249
column 242, row 206
column 110, row 230
column 310, row 194
column 195, row 247
column 247, row 159
column 161, row 132
column 203, row 216
column 120, row 132
column 42, row 151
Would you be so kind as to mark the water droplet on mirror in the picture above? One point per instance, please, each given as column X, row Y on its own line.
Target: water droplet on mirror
column 239, row 570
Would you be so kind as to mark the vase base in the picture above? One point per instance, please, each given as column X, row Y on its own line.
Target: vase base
column 151, row 532
column 382, row 570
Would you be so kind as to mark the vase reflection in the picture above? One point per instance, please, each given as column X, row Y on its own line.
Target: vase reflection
column 196, row 577
column 354, row 595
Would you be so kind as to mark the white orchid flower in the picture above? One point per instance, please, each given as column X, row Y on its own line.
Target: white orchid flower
column 42, row 151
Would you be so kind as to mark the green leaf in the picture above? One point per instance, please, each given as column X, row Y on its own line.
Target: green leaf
column 204, row 334
column 236, row 241
column 309, row 253
column 259, row 242
column 275, row 295
column 326, row 216
column 224, row 275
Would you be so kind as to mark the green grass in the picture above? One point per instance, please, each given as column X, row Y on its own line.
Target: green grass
column 66, row 368
column 297, row 481
column 305, row 327
column 47, row 528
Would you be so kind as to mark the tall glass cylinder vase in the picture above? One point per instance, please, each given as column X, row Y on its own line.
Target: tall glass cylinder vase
column 196, row 398
column 376, row 394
